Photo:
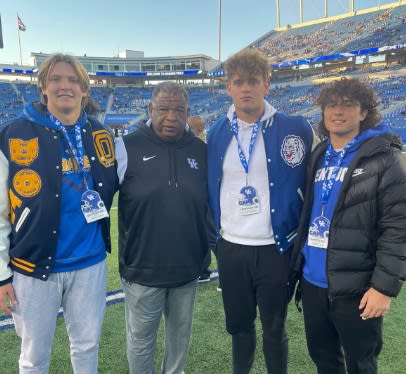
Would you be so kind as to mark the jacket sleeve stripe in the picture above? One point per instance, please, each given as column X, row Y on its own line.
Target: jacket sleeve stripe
column 16, row 264
column 23, row 262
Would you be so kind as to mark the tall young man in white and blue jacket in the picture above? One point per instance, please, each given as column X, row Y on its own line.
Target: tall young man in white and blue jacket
column 352, row 239
column 57, row 181
column 256, row 161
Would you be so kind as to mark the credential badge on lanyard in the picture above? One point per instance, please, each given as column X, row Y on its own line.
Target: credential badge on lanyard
column 92, row 205
column 248, row 202
column 320, row 227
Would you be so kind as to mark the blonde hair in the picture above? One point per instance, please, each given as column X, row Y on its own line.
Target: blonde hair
column 49, row 64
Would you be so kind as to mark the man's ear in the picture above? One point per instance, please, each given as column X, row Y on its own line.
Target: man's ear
column 228, row 88
column 150, row 108
column 267, row 84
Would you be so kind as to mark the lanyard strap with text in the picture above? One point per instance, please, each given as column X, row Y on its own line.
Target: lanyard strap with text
column 328, row 182
column 78, row 152
column 234, row 129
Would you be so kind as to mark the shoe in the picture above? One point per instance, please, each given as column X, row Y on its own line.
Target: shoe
column 214, row 274
column 204, row 279
column 219, row 289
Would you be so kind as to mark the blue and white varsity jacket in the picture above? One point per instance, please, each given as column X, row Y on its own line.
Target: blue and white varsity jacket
column 288, row 142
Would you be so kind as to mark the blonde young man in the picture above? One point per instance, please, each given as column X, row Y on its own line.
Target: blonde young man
column 57, row 180
column 256, row 160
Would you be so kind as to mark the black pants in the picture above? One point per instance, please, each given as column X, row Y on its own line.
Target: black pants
column 206, row 264
column 254, row 276
column 335, row 333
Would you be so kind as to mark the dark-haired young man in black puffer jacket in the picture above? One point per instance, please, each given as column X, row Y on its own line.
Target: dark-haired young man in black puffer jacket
column 351, row 248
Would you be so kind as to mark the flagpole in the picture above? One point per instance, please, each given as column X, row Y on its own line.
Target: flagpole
column 19, row 41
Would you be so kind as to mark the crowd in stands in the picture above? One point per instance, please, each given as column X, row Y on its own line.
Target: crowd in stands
column 130, row 99
column 377, row 29
column 101, row 95
column 10, row 102
column 210, row 102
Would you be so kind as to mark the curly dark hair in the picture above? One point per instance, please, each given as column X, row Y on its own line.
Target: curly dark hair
column 355, row 90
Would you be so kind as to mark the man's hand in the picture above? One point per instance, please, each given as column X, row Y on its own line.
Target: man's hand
column 7, row 295
column 374, row 304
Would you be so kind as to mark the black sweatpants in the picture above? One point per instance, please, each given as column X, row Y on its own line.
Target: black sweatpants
column 335, row 333
column 252, row 276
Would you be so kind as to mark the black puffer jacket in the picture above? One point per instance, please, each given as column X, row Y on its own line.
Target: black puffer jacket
column 367, row 238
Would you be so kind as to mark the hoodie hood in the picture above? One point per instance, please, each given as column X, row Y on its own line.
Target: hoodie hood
column 269, row 111
column 38, row 113
column 368, row 134
column 373, row 132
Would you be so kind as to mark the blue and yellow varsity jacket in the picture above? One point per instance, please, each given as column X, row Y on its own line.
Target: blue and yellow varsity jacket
column 30, row 190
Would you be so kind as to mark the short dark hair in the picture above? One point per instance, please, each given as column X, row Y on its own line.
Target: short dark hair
column 170, row 87
column 355, row 90
column 248, row 62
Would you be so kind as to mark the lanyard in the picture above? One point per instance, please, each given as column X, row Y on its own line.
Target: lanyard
column 234, row 129
column 78, row 152
column 328, row 184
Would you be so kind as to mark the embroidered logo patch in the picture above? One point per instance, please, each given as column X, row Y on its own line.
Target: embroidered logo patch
column 27, row 183
column 193, row 163
column 23, row 152
column 15, row 203
column 293, row 150
column 357, row 172
column 104, row 147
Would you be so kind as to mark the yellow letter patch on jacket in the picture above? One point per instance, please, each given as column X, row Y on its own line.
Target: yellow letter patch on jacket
column 27, row 183
column 23, row 152
column 15, row 202
column 104, row 147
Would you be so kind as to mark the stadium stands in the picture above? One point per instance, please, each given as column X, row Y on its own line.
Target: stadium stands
column 130, row 103
column 126, row 106
column 11, row 102
column 376, row 29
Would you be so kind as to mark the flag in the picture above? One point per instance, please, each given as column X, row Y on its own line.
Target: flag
column 20, row 24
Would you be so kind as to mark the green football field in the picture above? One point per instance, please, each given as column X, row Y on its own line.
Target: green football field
column 210, row 345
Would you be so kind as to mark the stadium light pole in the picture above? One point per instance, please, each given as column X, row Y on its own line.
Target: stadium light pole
column 352, row 6
column 325, row 8
column 301, row 10
column 278, row 15
column 219, row 26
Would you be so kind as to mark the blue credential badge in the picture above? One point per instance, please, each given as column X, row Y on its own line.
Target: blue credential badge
column 318, row 232
column 249, row 202
column 92, row 206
